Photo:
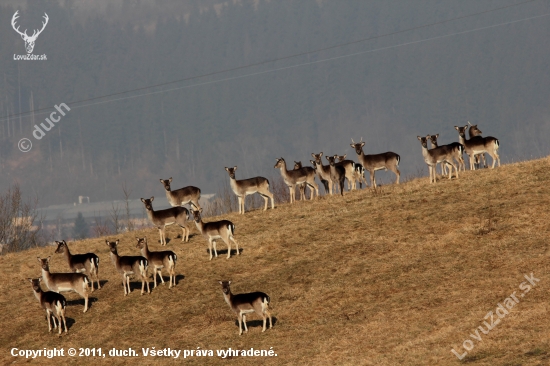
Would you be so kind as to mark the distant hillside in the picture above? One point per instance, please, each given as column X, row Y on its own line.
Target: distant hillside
column 400, row 275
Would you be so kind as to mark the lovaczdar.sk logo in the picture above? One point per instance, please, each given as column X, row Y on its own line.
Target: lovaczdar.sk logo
column 29, row 40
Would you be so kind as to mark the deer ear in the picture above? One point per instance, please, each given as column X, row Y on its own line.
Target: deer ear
column 152, row 199
column 142, row 200
column 161, row 180
column 170, row 180
column 345, row 155
column 226, row 168
column 116, row 242
column 436, row 135
column 229, row 282
column 456, row 128
column 220, row 282
column 312, row 155
column 418, row 137
column 362, row 144
column 39, row 260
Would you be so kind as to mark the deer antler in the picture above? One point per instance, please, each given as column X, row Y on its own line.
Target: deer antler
column 469, row 123
column 353, row 142
column 13, row 21
column 46, row 18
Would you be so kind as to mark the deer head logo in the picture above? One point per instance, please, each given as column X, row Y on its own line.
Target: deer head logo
column 29, row 41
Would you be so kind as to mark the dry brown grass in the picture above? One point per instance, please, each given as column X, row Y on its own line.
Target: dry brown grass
column 399, row 276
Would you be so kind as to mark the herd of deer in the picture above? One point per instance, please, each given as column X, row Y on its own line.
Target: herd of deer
column 332, row 176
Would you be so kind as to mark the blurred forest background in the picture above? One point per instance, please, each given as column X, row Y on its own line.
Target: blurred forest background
column 497, row 78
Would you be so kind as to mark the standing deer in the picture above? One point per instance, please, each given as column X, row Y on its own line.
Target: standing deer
column 337, row 173
column 242, row 304
column 434, row 156
column 159, row 260
column 475, row 131
column 360, row 175
column 458, row 149
column 64, row 282
column 52, row 302
column 479, row 145
column 297, row 166
column 129, row 265
column 349, row 167
column 182, row 196
column 79, row 263
column 244, row 187
column 296, row 177
column 387, row 161
column 223, row 229
column 323, row 171
column 162, row 218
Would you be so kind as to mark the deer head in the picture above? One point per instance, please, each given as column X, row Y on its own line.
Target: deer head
column 29, row 40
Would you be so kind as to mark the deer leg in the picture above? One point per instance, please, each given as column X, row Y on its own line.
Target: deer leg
column 236, row 244
column 161, row 234
column 210, row 247
column 159, row 272
column 240, row 317
column 215, row 250
column 244, row 323
column 265, row 202
column 97, row 278
column 48, row 319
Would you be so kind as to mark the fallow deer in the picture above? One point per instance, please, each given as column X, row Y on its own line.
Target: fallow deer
column 478, row 145
column 360, row 175
column 349, row 166
column 162, row 218
column 475, row 131
column 223, row 229
column 458, row 150
column 323, row 171
column 79, row 263
column 242, row 304
column 387, row 161
column 64, row 282
column 244, row 187
column 129, row 265
column 434, row 156
column 298, row 165
column 296, row 177
column 337, row 173
column 159, row 260
column 182, row 196
column 52, row 302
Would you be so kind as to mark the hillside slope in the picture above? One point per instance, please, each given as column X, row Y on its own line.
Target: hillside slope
column 396, row 276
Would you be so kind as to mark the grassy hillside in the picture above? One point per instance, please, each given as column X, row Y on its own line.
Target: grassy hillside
column 396, row 276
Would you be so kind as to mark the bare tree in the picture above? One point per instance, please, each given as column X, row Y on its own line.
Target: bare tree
column 115, row 218
column 127, row 192
column 18, row 229
column 101, row 226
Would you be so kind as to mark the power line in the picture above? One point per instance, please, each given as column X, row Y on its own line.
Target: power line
column 283, row 58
